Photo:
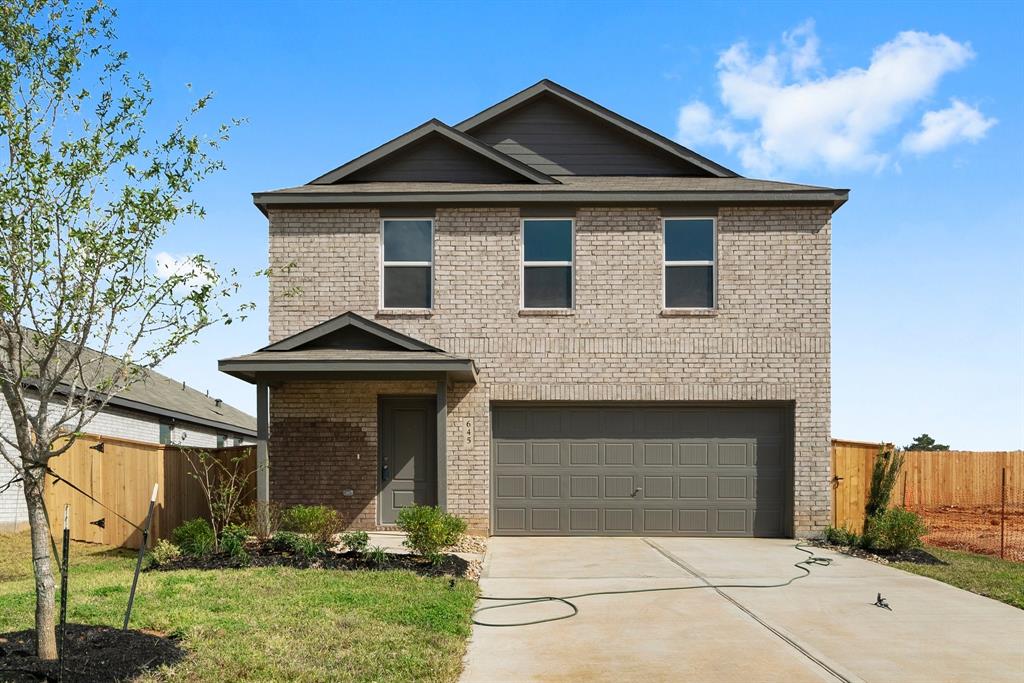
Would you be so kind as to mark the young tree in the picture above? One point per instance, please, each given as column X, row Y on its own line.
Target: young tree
column 926, row 443
column 85, row 192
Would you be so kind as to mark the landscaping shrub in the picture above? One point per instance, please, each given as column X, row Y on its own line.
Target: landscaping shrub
column 841, row 536
column 429, row 529
column 319, row 521
column 162, row 553
column 896, row 530
column 194, row 537
column 888, row 464
column 264, row 525
column 356, row 541
column 296, row 543
column 232, row 541
column 377, row 556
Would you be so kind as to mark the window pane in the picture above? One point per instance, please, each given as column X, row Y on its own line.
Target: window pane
column 689, row 240
column 407, row 287
column 547, row 287
column 690, row 287
column 407, row 241
column 547, row 240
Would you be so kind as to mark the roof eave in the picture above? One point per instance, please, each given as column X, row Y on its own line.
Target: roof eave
column 834, row 197
column 249, row 370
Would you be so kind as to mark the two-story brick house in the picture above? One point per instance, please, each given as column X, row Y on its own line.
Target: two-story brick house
column 549, row 320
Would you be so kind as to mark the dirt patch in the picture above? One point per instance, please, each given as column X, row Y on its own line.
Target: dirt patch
column 263, row 555
column 976, row 529
column 94, row 653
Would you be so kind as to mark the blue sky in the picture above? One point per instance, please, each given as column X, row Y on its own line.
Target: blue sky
column 917, row 108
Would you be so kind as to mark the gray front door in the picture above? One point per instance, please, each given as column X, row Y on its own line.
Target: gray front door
column 649, row 470
column 408, row 454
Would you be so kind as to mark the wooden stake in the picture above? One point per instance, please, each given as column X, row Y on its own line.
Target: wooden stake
column 142, row 553
column 66, row 547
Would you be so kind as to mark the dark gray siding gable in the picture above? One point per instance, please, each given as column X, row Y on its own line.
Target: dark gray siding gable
column 559, row 139
column 435, row 159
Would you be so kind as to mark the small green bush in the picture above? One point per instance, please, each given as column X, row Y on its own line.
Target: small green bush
column 162, row 553
column 232, row 541
column 841, row 536
column 319, row 521
column 194, row 537
column 356, row 541
column 896, row 530
column 377, row 556
column 296, row 543
column 429, row 529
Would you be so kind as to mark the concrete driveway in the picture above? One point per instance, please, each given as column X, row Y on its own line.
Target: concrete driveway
column 822, row 628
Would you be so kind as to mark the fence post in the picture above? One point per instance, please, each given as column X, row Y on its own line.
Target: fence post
column 1002, row 519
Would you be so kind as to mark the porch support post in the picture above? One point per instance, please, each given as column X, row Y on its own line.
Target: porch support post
column 442, row 444
column 262, row 434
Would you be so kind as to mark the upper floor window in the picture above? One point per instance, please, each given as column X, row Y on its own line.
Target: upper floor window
column 408, row 263
column 547, row 263
column 690, row 262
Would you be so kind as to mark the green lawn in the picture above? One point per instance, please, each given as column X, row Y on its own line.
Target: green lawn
column 989, row 576
column 264, row 624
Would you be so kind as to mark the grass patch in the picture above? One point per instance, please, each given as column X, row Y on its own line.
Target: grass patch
column 989, row 576
column 271, row 623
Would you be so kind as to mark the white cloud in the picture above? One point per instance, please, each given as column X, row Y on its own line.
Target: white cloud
column 781, row 111
column 194, row 270
column 944, row 127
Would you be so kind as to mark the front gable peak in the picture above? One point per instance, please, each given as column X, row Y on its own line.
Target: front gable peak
column 350, row 331
column 434, row 152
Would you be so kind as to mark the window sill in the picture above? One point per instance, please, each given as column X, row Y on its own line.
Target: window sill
column 546, row 312
column 689, row 312
column 405, row 313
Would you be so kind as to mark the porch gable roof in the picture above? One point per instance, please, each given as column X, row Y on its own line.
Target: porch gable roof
column 349, row 347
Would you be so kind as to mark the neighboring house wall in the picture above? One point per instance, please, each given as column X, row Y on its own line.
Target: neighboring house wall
column 768, row 340
column 112, row 422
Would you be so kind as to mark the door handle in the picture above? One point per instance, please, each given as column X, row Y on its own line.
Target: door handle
column 384, row 472
column 635, row 491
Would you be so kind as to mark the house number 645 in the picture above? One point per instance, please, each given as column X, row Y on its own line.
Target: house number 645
column 467, row 432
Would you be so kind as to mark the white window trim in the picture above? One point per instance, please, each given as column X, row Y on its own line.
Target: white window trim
column 382, row 264
column 523, row 263
column 665, row 264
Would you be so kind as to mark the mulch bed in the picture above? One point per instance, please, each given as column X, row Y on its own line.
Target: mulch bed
column 915, row 555
column 94, row 653
column 264, row 556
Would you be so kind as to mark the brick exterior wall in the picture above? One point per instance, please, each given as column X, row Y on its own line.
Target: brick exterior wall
column 768, row 340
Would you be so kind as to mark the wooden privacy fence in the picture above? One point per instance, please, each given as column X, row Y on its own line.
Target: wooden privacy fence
column 928, row 479
column 121, row 476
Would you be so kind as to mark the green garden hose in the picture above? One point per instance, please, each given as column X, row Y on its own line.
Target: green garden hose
column 803, row 565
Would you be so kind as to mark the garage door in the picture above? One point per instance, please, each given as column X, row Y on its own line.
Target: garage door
column 651, row 470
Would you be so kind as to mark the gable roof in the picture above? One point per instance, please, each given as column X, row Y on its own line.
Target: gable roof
column 485, row 153
column 548, row 88
column 319, row 333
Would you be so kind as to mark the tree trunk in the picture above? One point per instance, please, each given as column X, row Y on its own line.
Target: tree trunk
column 46, row 639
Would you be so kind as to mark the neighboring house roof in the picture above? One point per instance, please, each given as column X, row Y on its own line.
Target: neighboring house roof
column 545, row 144
column 158, row 394
column 350, row 346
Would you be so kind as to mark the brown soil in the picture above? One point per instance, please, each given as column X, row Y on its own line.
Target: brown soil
column 262, row 555
column 94, row 653
column 976, row 529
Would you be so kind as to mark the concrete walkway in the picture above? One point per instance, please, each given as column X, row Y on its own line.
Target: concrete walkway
column 822, row 628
